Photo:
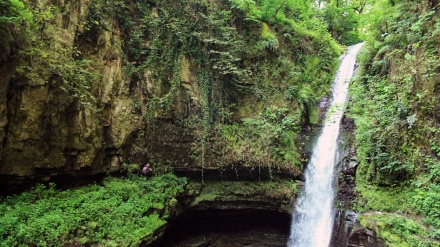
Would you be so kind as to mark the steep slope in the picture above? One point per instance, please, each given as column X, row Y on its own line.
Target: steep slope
column 396, row 107
column 211, row 90
column 190, row 86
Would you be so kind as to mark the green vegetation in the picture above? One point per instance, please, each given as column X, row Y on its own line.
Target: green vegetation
column 242, row 78
column 14, row 12
column 398, row 230
column 278, row 194
column 45, row 52
column 395, row 106
column 120, row 212
column 343, row 20
column 209, row 66
column 252, row 141
column 258, row 67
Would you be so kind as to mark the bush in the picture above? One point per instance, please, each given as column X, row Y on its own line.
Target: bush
column 122, row 212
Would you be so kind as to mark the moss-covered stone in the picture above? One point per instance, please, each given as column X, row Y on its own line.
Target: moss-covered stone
column 277, row 196
column 99, row 83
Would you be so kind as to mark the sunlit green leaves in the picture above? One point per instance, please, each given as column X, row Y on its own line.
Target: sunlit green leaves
column 398, row 230
column 14, row 12
column 396, row 136
column 122, row 212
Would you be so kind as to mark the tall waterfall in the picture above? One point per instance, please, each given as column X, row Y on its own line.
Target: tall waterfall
column 313, row 216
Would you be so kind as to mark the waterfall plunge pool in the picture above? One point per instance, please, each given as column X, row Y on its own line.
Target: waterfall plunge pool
column 232, row 228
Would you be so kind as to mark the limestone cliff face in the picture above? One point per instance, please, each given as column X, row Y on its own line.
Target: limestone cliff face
column 44, row 130
column 93, row 84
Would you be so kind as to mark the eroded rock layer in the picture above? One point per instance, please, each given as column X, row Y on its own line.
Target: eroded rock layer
column 89, row 87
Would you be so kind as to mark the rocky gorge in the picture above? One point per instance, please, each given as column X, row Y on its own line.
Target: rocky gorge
column 228, row 96
column 61, row 119
column 92, row 88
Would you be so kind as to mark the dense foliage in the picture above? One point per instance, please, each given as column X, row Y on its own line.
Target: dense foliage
column 251, row 73
column 243, row 78
column 213, row 68
column 343, row 19
column 14, row 12
column 120, row 212
column 44, row 48
column 396, row 106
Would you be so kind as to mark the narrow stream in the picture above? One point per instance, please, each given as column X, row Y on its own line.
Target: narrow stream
column 313, row 216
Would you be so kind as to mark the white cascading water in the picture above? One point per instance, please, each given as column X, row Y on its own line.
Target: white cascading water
column 313, row 217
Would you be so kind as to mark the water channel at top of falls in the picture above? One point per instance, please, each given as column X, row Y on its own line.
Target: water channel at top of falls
column 313, row 215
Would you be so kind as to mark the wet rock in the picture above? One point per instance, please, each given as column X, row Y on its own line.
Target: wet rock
column 348, row 166
column 324, row 105
column 347, row 183
column 347, row 232
column 364, row 238
column 230, row 195
column 345, row 221
column 348, row 123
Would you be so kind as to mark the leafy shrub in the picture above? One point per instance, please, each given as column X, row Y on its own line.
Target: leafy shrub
column 14, row 12
column 398, row 230
column 122, row 212
column 396, row 135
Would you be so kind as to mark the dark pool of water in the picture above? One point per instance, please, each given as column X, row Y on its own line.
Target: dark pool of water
column 232, row 228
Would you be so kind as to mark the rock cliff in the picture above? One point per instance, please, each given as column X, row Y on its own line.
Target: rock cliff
column 90, row 85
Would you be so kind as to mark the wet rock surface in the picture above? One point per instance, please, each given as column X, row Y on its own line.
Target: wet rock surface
column 347, row 183
column 348, row 165
column 345, row 221
column 347, row 232
column 364, row 237
column 239, row 195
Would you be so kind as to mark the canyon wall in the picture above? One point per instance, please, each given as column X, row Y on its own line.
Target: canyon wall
column 93, row 87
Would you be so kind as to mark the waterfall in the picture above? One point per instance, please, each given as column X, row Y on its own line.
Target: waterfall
column 313, row 216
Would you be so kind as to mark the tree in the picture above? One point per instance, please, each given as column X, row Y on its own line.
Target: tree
column 342, row 20
column 14, row 12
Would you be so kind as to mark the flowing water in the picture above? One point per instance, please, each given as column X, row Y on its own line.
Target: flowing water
column 313, row 216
